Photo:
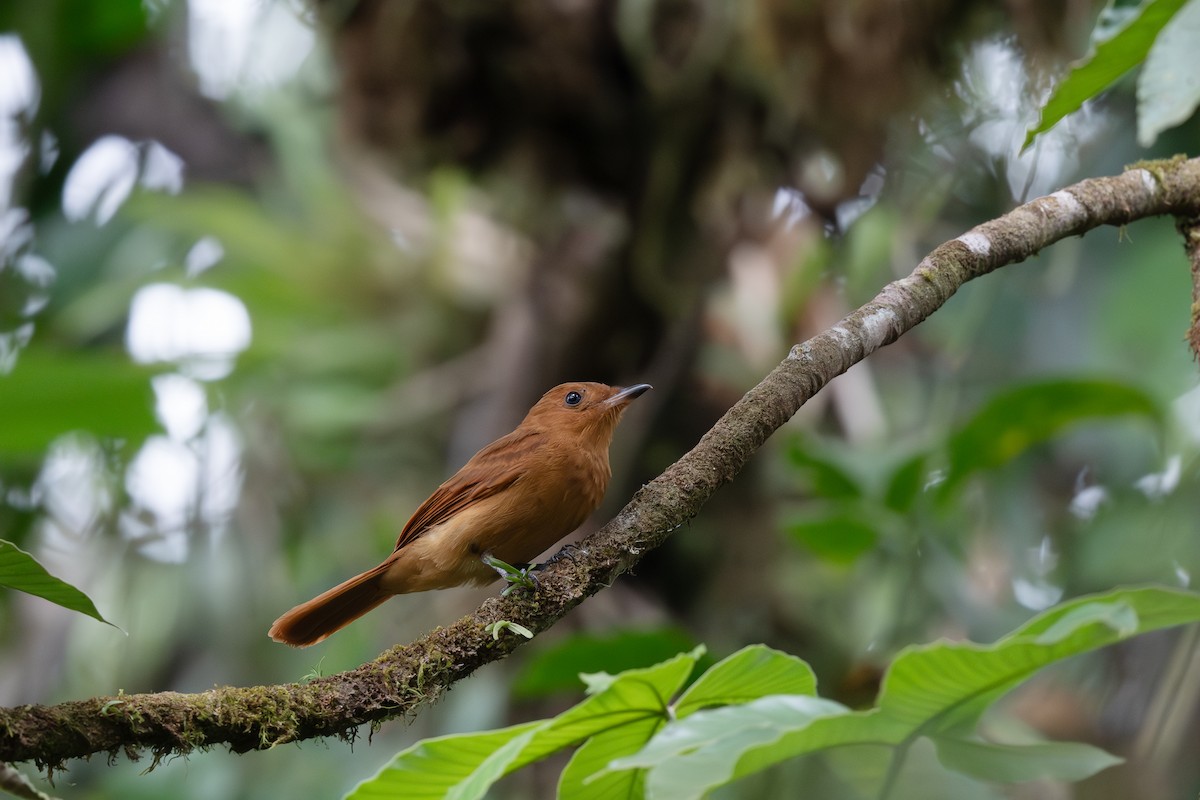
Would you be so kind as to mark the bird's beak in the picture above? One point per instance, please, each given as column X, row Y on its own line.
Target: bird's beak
column 627, row 396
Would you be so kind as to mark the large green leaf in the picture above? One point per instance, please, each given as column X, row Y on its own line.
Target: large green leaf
column 579, row 780
column 1108, row 61
column 433, row 769
column 48, row 394
column 1014, row 421
column 750, row 673
column 630, row 698
column 1168, row 90
column 622, row 714
column 862, row 769
column 937, row 690
column 21, row 571
column 689, row 758
column 1014, row 763
column 944, row 687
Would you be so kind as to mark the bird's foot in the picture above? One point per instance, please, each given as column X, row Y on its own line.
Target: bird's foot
column 517, row 577
column 568, row 551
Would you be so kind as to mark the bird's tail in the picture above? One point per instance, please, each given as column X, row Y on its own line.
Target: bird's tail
column 311, row 622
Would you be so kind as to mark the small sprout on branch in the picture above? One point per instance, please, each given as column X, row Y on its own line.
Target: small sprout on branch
column 108, row 707
column 504, row 624
column 515, row 577
column 314, row 673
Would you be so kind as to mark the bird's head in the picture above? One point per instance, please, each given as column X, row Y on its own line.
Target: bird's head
column 584, row 408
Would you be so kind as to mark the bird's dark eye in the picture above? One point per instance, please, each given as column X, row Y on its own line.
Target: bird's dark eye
column 573, row 398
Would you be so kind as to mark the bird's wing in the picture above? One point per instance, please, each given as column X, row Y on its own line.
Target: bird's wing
column 490, row 471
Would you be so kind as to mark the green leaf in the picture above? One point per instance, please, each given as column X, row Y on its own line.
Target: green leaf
column 1168, row 89
column 750, row 673
column 48, row 394
column 1118, row 616
column 942, row 687
column 1014, row 421
column 840, row 536
column 623, row 713
column 21, row 571
column 864, row 769
column 906, row 484
column 937, row 689
column 577, row 780
column 461, row 766
column 690, row 757
column 597, row 682
column 493, row 768
column 557, row 668
column 826, row 478
column 1014, row 763
column 627, row 699
column 1108, row 61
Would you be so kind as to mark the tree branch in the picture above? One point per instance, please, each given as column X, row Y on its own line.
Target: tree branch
column 1189, row 229
column 406, row 676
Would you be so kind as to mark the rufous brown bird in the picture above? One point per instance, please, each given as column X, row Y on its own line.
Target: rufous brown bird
column 512, row 500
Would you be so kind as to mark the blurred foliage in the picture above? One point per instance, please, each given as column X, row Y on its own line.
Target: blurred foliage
column 1033, row 441
column 1013, row 422
column 68, row 37
column 109, row 397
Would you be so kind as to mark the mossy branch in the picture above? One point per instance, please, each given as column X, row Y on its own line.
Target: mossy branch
column 405, row 677
column 1189, row 229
